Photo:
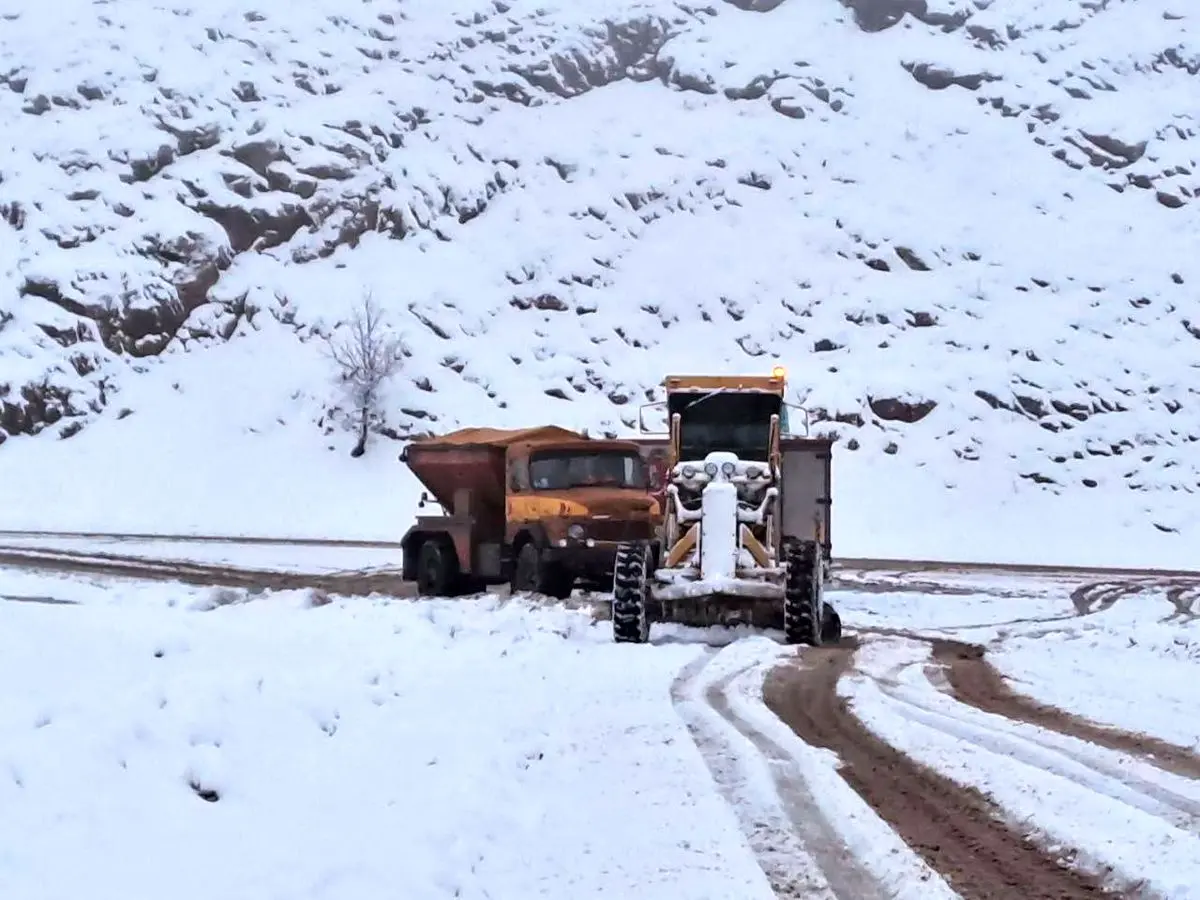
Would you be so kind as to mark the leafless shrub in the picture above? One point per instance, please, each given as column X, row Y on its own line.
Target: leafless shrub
column 366, row 358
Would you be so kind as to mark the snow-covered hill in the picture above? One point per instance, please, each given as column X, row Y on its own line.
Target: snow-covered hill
column 968, row 229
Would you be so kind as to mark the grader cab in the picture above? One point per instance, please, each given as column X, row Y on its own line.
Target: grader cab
column 744, row 535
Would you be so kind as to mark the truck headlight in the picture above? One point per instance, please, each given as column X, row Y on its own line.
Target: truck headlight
column 688, row 472
column 728, row 468
column 576, row 532
column 710, row 469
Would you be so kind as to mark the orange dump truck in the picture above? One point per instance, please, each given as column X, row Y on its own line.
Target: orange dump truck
column 542, row 509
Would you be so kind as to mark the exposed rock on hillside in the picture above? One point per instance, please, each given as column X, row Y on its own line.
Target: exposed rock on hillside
column 943, row 216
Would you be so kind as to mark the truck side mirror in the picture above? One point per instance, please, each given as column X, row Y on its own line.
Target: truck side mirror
column 424, row 499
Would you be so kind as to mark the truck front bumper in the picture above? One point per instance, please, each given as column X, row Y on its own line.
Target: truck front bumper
column 587, row 557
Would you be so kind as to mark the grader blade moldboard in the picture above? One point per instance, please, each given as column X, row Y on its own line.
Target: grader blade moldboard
column 719, row 609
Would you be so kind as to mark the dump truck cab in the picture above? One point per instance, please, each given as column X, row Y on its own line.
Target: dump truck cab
column 542, row 509
column 569, row 504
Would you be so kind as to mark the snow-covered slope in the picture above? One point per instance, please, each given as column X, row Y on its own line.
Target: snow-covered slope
column 967, row 228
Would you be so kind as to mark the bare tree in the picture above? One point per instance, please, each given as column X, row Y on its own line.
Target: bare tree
column 366, row 358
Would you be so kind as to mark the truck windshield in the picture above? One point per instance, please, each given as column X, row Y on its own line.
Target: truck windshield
column 559, row 471
column 725, row 421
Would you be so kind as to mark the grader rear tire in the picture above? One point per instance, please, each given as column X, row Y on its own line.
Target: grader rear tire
column 631, row 572
column 803, row 606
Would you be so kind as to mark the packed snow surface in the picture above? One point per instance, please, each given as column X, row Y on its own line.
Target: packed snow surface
column 458, row 749
column 282, row 743
column 969, row 234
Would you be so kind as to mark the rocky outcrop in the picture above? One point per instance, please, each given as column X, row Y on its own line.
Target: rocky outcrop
column 134, row 245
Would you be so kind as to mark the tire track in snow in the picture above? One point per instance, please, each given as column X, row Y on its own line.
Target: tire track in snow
column 957, row 830
column 355, row 582
column 1062, row 755
column 798, row 849
column 971, row 679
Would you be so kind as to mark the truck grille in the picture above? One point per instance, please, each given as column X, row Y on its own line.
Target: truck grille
column 616, row 530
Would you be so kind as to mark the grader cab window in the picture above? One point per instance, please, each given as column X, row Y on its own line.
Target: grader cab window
column 727, row 422
column 560, row 471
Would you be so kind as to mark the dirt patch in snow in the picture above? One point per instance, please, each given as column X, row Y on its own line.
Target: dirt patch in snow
column 975, row 682
column 356, row 583
column 957, row 831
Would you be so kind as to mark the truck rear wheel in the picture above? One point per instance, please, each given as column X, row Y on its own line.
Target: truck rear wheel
column 437, row 570
column 803, row 622
column 631, row 625
column 531, row 573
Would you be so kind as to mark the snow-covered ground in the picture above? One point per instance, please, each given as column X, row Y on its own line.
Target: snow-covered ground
column 351, row 750
column 558, row 200
column 1082, row 669
column 1133, row 665
column 1126, row 817
column 490, row 748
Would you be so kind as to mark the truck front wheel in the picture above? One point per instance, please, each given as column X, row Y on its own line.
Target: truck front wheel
column 534, row 575
column 437, row 570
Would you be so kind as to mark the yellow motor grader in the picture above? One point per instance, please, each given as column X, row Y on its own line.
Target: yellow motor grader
column 744, row 533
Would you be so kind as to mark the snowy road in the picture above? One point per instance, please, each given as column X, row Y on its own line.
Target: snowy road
column 978, row 735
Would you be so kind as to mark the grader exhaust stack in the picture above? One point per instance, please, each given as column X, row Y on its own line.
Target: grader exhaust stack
column 745, row 529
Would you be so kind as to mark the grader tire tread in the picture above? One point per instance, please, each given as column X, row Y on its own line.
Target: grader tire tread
column 629, row 615
column 802, row 603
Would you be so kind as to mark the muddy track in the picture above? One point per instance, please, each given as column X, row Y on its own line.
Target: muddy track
column 249, row 540
column 202, row 574
column 956, row 830
column 974, row 681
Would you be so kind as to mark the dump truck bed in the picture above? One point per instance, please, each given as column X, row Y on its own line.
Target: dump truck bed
column 472, row 460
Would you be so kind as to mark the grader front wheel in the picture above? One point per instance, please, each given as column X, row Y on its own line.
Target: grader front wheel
column 631, row 625
column 803, row 606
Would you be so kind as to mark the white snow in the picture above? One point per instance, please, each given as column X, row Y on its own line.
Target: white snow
column 536, row 237
column 484, row 745
column 675, row 230
column 358, row 748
